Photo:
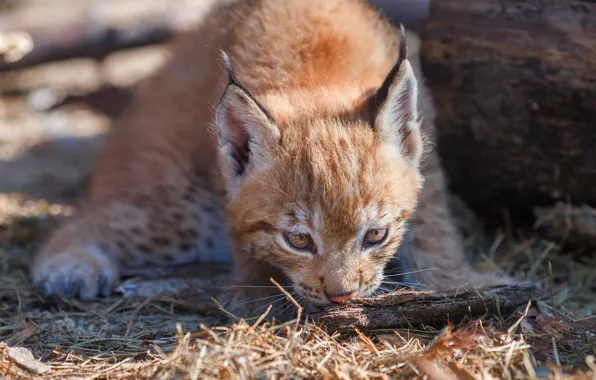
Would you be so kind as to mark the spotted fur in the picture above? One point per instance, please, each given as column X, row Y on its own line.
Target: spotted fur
column 313, row 121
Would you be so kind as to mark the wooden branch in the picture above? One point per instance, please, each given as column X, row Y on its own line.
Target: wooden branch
column 431, row 308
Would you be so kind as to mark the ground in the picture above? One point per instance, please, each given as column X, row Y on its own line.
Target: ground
column 52, row 121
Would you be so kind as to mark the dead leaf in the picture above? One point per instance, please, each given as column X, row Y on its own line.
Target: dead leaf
column 25, row 359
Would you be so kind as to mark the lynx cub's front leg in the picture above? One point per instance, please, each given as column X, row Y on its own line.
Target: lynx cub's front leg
column 159, row 225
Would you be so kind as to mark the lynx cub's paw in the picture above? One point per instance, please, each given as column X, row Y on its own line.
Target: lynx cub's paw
column 84, row 273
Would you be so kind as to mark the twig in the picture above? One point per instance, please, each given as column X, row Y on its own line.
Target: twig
column 432, row 308
column 289, row 296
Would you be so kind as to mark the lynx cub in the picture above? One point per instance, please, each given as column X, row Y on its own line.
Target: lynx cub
column 285, row 134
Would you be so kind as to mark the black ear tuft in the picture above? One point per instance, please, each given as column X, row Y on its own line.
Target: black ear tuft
column 403, row 45
column 228, row 65
column 381, row 95
column 393, row 108
column 245, row 130
column 233, row 81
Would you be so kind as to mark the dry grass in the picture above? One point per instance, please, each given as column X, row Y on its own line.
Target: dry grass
column 163, row 338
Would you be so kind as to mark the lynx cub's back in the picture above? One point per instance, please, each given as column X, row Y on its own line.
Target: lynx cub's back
column 285, row 134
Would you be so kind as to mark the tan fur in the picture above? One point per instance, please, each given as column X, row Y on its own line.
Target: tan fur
column 159, row 196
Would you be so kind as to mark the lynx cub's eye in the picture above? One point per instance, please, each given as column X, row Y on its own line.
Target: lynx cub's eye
column 375, row 236
column 299, row 241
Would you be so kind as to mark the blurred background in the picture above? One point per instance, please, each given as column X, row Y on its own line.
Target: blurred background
column 513, row 81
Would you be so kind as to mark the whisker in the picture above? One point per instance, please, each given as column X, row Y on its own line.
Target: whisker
column 282, row 305
column 411, row 272
column 273, row 187
column 282, row 297
column 289, row 306
column 254, row 287
column 279, row 297
column 400, row 283
column 266, row 216
column 409, row 284
column 293, row 294
column 382, row 290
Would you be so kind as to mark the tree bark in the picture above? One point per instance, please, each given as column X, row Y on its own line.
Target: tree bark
column 514, row 83
column 430, row 308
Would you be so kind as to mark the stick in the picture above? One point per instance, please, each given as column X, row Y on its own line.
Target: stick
column 432, row 308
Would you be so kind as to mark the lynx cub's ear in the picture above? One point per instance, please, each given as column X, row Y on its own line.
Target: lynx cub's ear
column 246, row 133
column 397, row 118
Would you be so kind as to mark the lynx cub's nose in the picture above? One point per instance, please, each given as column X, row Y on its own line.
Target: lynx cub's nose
column 342, row 298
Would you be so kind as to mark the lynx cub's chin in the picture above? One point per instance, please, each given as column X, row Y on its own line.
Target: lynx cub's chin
column 309, row 170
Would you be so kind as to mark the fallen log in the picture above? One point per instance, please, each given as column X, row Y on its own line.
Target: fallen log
column 430, row 308
column 514, row 84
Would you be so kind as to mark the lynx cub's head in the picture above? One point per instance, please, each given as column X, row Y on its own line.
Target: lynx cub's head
column 322, row 197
